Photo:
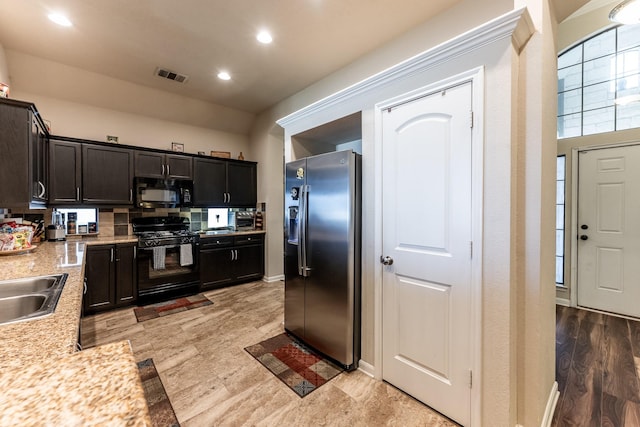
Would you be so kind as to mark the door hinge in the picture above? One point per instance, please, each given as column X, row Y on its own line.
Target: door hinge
column 471, row 119
column 470, row 378
column 471, row 249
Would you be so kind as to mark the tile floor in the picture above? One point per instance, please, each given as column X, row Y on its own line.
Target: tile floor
column 212, row 381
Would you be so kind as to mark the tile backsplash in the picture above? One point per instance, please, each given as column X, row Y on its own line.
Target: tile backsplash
column 117, row 221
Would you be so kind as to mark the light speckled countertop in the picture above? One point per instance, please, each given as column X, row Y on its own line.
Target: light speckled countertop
column 39, row 359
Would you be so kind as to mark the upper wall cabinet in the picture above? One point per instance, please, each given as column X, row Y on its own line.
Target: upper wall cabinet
column 107, row 175
column 224, row 183
column 23, row 165
column 158, row 165
column 65, row 172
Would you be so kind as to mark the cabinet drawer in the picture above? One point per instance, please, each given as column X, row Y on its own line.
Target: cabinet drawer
column 249, row 239
column 215, row 242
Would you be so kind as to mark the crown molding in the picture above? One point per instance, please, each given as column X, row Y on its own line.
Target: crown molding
column 516, row 25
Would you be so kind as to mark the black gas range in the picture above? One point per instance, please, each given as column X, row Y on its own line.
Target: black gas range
column 168, row 254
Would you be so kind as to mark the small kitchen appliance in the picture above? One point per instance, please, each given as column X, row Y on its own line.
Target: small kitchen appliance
column 56, row 230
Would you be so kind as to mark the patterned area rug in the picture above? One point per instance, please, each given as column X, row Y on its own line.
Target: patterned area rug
column 160, row 409
column 169, row 307
column 294, row 364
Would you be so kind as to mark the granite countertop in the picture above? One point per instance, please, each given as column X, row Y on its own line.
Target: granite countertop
column 204, row 235
column 39, row 359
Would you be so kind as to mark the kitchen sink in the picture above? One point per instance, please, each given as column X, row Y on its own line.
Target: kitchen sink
column 29, row 298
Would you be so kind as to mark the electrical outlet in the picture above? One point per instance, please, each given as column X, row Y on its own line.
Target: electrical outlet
column 111, row 138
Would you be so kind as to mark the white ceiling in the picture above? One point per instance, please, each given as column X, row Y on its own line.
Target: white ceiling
column 129, row 39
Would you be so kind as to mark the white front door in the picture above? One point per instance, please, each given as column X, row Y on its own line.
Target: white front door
column 609, row 230
column 426, row 174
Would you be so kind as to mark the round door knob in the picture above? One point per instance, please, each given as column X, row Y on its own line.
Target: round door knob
column 387, row 260
column 584, row 226
column 584, row 237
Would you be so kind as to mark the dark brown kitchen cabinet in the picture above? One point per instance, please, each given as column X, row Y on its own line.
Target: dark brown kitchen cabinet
column 23, row 165
column 224, row 183
column 158, row 165
column 230, row 260
column 107, row 175
column 110, row 277
column 65, row 172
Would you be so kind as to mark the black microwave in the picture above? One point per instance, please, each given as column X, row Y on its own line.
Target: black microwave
column 163, row 193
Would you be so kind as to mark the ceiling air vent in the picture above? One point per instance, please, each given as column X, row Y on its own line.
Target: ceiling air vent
column 180, row 78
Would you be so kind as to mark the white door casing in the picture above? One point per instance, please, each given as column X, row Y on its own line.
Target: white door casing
column 608, row 229
column 427, row 231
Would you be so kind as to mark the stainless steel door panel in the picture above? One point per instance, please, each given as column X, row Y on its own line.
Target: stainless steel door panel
column 329, row 293
column 294, row 283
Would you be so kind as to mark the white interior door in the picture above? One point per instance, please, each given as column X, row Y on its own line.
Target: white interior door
column 609, row 230
column 427, row 233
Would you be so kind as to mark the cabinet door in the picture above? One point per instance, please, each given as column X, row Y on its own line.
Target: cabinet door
column 242, row 184
column 126, row 274
column 179, row 167
column 99, row 273
column 209, row 182
column 149, row 164
column 107, row 175
column 249, row 262
column 215, row 268
column 65, row 172
column 15, row 175
column 38, row 143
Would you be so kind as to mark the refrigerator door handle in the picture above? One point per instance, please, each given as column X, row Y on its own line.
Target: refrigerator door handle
column 302, row 231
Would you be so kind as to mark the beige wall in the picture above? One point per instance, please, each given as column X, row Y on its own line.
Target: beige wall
column 88, row 122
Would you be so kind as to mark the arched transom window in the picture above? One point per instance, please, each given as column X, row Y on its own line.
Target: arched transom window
column 599, row 84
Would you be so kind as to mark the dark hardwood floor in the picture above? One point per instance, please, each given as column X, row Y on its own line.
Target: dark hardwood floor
column 597, row 365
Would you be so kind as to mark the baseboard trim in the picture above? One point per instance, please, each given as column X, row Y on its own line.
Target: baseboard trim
column 272, row 279
column 563, row 301
column 366, row 368
column 551, row 405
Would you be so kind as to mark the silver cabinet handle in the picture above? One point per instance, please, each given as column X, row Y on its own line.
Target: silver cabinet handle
column 131, row 194
column 135, row 252
column 85, row 286
column 78, row 194
column 112, row 254
column 43, row 189
column 168, row 171
column 228, row 197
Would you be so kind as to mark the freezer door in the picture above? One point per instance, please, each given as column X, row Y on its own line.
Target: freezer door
column 294, row 282
column 331, row 252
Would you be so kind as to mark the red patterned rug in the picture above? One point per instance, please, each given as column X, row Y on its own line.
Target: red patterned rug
column 169, row 307
column 160, row 409
column 294, row 364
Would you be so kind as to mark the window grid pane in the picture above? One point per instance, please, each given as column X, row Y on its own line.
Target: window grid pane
column 591, row 76
column 560, row 206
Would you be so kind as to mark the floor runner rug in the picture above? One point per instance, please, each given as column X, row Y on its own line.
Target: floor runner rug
column 165, row 308
column 294, row 364
column 160, row 409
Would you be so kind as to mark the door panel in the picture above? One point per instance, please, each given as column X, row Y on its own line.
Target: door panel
column 609, row 229
column 427, row 232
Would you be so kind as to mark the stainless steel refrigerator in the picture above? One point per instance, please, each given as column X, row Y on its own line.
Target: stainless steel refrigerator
column 322, row 254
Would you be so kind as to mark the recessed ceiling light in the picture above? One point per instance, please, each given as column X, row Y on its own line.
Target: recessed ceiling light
column 264, row 37
column 223, row 75
column 60, row 19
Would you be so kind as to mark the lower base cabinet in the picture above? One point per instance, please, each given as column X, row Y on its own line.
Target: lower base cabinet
column 110, row 277
column 229, row 260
